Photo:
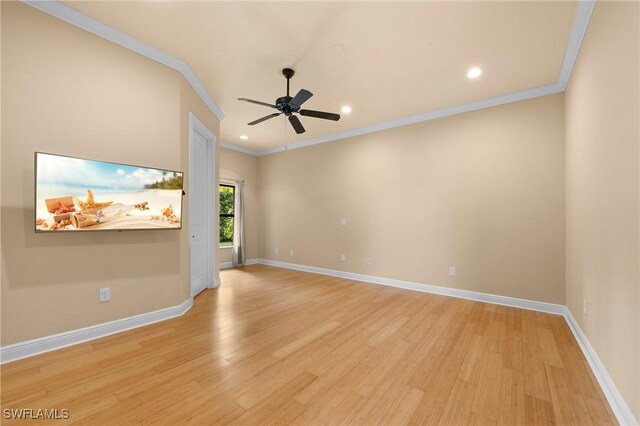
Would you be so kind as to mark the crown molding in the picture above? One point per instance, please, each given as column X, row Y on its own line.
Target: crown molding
column 578, row 30
column 80, row 20
column 239, row 148
column 441, row 113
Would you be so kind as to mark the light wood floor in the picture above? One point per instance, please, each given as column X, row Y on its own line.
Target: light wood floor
column 278, row 346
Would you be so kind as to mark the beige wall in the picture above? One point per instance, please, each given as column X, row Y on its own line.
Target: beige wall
column 69, row 92
column 240, row 166
column 602, row 190
column 483, row 192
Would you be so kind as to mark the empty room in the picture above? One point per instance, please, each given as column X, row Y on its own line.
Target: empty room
column 320, row 213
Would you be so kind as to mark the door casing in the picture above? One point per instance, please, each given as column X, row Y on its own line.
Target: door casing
column 195, row 125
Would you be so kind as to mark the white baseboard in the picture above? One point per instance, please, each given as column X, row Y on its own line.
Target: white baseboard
column 227, row 265
column 41, row 345
column 57, row 341
column 619, row 407
column 551, row 308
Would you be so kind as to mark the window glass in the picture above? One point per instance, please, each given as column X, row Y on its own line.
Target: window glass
column 227, row 201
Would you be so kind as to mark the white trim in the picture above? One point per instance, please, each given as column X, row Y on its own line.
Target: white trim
column 73, row 17
column 41, row 345
column 619, row 407
column 228, row 265
column 441, row 113
column 80, row 20
column 195, row 125
column 240, row 149
column 578, row 30
column 425, row 288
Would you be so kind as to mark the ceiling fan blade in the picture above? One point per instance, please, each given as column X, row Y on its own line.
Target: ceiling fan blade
column 301, row 97
column 296, row 124
column 265, row 118
column 319, row 114
column 256, row 102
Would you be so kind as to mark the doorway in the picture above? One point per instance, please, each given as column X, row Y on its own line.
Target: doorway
column 202, row 253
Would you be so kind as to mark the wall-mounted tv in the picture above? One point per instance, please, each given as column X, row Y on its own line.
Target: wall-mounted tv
column 79, row 195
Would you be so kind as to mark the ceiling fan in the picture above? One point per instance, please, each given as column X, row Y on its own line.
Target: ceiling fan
column 290, row 106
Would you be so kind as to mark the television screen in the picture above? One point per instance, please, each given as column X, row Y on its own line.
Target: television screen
column 74, row 194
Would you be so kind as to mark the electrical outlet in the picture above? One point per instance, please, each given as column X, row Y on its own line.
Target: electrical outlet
column 290, row 252
column 343, row 257
column 343, row 222
column 277, row 250
column 368, row 260
column 584, row 307
column 105, row 294
column 452, row 271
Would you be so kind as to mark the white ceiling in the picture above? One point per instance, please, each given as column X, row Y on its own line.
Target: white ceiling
column 387, row 60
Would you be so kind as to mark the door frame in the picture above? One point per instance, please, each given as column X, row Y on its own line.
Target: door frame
column 196, row 126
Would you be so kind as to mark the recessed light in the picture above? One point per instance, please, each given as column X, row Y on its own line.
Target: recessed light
column 346, row 109
column 474, row 72
column 244, row 137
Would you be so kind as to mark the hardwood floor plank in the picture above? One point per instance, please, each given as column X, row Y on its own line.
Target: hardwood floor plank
column 486, row 402
column 539, row 411
column 549, row 348
column 458, row 407
column 512, row 398
column 535, row 377
column 271, row 406
column 305, row 339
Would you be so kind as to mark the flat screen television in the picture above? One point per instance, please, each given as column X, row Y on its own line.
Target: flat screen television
column 80, row 195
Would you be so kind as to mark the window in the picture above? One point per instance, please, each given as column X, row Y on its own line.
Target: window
column 227, row 202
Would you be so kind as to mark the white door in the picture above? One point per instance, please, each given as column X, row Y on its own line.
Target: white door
column 198, row 212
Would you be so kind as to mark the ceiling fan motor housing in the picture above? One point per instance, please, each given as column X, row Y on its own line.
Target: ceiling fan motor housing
column 282, row 104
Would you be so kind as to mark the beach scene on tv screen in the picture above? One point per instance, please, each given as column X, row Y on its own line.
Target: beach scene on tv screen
column 74, row 194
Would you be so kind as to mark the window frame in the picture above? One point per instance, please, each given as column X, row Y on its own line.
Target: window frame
column 227, row 215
